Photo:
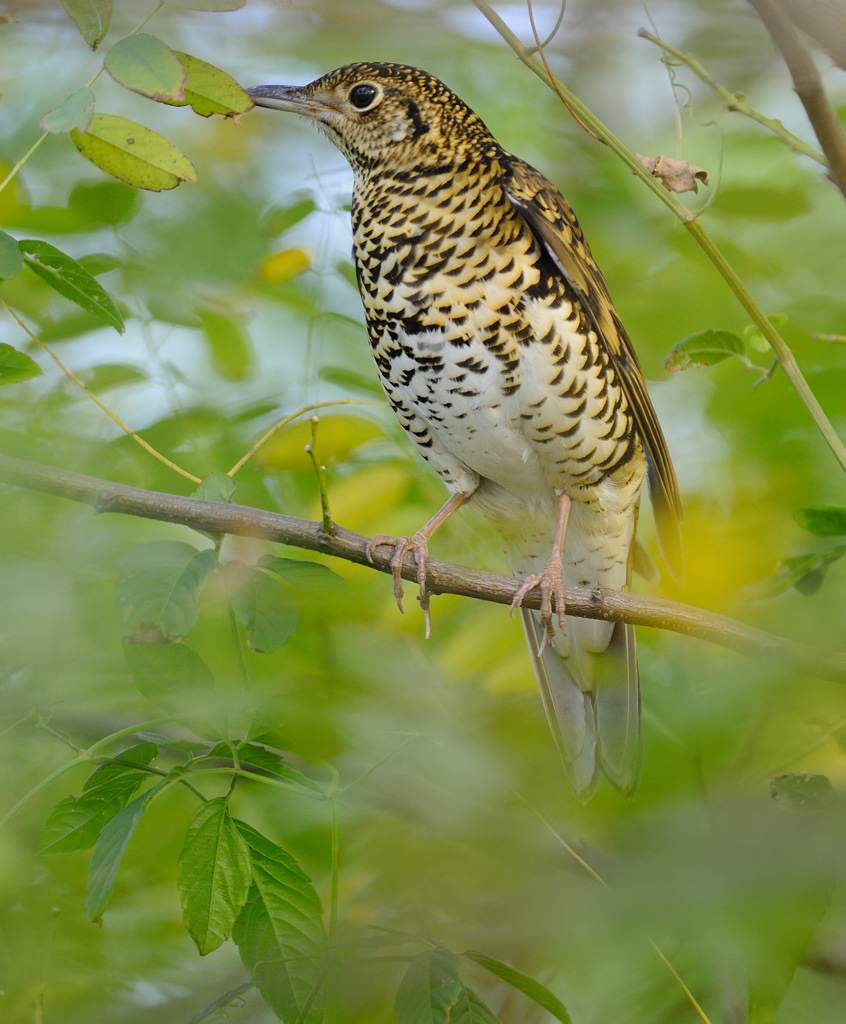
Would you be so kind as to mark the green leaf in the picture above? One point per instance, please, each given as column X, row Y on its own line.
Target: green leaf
column 71, row 280
column 76, row 112
column 108, row 852
column 523, row 983
column 429, row 989
column 469, row 1009
column 754, row 336
column 803, row 791
column 75, row 822
column 281, row 218
column 760, row 201
column 432, row 993
column 51, row 220
column 158, row 589
column 307, row 576
column 806, row 572
column 134, row 154
column 11, row 259
column 209, row 90
column 97, row 263
column 110, row 780
column 214, row 875
column 16, row 366
column 705, row 348
column 172, row 675
column 70, row 325
column 91, row 17
column 254, row 755
column 144, row 64
column 823, row 520
column 104, row 202
column 110, row 375
column 262, row 603
column 216, row 487
column 229, row 344
column 280, row 933
column 211, row 1012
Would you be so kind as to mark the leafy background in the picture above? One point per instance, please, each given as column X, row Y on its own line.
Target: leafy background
column 454, row 824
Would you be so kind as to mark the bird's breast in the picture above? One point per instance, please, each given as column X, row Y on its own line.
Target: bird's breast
column 475, row 333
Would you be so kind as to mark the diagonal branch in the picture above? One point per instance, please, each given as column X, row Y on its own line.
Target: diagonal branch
column 442, row 577
column 808, row 86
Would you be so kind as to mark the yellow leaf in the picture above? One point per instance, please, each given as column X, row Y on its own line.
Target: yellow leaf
column 133, row 153
column 369, row 500
column 281, row 266
column 337, row 436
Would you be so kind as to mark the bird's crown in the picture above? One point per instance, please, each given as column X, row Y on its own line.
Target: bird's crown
column 385, row 115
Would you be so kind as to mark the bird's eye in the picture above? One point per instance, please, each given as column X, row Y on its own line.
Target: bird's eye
column 361, row 96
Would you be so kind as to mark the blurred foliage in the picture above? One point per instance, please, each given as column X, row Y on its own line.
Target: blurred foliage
column 427, row 768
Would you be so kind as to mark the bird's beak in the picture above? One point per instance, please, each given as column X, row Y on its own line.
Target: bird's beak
column 287, row 97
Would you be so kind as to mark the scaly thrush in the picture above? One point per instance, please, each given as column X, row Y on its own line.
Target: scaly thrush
column 501, row 353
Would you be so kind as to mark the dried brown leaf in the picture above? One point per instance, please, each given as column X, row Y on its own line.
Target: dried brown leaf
column 675, row 175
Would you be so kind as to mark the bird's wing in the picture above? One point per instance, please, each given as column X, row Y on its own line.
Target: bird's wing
column 554, row 224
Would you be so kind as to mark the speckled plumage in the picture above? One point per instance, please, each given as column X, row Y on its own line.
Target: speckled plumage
column 505, row 361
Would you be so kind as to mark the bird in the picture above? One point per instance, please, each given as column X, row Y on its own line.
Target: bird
column 501, row 353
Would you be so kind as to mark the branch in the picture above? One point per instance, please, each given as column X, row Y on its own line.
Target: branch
column 443, row 577
column 808, row 86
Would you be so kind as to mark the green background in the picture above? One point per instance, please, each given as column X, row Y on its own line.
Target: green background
column 453, row 826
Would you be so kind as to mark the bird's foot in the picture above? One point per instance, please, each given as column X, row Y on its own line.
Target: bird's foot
column 550, row 583
column 418, row 546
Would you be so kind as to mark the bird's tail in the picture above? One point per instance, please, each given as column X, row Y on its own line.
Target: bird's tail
column 588, row 675
column 592, row 700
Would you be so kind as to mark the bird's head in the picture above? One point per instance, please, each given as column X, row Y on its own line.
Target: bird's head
column 384, row 116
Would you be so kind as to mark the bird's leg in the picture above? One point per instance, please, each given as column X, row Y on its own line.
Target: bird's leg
column 418, row 545
column 550, row 581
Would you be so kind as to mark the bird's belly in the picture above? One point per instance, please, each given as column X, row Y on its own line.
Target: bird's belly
column 507, row 420
column 457, row 392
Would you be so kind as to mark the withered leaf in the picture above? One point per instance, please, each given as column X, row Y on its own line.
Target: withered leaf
column 675, row 175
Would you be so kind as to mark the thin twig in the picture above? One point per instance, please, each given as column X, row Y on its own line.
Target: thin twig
column 441, row 577
column 808, row 86
column 265, row 437
column 733, row 100
column 320, row 473
column 691, row 222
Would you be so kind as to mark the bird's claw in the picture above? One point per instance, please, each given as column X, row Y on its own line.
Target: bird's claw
column 550, row 583
column 419, row 548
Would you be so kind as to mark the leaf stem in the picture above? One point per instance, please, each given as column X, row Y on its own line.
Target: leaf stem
column 22, row 160
column 85, row 757
column 239, row 647
column 36, row 789
column 130, row 730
